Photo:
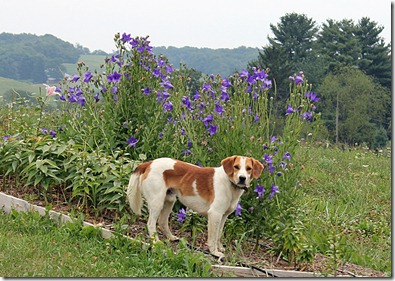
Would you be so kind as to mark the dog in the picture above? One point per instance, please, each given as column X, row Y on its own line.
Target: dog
column 210, row 191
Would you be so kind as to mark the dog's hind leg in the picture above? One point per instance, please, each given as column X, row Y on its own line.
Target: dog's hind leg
column 164, row 215
column 155, row 206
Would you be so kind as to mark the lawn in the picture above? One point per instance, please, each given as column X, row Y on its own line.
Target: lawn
column 34, row 246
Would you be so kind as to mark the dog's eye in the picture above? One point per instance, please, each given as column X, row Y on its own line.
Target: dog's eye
column 236, row 167
column 249, row 168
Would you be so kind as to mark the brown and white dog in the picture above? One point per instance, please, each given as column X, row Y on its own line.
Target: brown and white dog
column 213, row 192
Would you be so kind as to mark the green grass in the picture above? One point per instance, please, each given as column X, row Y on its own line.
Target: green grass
column 7, row 84
column 348, row 194
column 35, row 246
column 92, row 61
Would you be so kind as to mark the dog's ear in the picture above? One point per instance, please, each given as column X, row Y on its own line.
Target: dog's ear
column 257, row 168
column 227, row 164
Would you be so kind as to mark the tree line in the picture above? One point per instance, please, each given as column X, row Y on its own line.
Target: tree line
column 349, row 65
column 32, row 58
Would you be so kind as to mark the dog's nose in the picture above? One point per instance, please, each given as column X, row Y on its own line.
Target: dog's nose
column 242, row 179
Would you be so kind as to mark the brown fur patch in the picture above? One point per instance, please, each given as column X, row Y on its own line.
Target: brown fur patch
column 143, row 169
column 183, row 175
column 228, row 164
column 257, row 168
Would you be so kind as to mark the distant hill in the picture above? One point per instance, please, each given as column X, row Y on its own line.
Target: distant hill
column 32, row 58
column 210, row 61
column 45, row 59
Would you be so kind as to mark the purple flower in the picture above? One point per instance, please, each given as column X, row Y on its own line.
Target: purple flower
column 307, row 116
column 186, row 152
column 224, row 96
column 260, row 190
column 81, row 100
column 44, row 130
column 114, row 77
column 298, row 79
column 273, row 139
column 226, row 83
column 75, row 78
column 6, row 138
column 132, row 141
column 207, row 120
column 271, row 168
column 268, row 158
column 274, row 190
column 157, row 72
column 182, row 215
column 312, row 96
column 212, row 129
column 256, row 118
column 87, row 77
column 238, row 209
column 146, row 91
column 243, row 73
column 126, row 37
column 52, row 133
column 186, row 102
column 206, row 87
column 167, row 106
column 73, row 98
column 287, row 155
column 197, row 95
column 289, row 110
column 169, row 69
column 96, row 97
column 219, row 108
column 166, row 84
column 62, row 97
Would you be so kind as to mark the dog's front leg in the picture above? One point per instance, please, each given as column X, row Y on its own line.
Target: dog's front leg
column 214, row 224
column 220, row 231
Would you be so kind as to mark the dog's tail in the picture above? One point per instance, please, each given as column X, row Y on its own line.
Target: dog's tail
column 134, row 194
column 134, row 188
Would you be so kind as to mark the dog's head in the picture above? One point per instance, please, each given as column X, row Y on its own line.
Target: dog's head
column 241, row 170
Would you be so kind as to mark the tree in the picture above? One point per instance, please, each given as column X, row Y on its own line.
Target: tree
column 289, row 49
column 354, row 106
column 295, row 34
column 375, row 57
column 338, row 44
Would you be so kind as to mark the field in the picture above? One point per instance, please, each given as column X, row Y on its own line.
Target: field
column 93, row 61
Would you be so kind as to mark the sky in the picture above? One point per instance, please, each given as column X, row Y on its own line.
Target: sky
column 178, row 23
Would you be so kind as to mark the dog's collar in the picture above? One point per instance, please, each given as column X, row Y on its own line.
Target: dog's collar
column 245, row 188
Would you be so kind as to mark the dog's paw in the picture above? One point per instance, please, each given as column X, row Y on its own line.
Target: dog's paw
column 220, row 255
column 173, row 238
column 221, row 248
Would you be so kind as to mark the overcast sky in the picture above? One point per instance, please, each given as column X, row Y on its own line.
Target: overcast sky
column 202, row 23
